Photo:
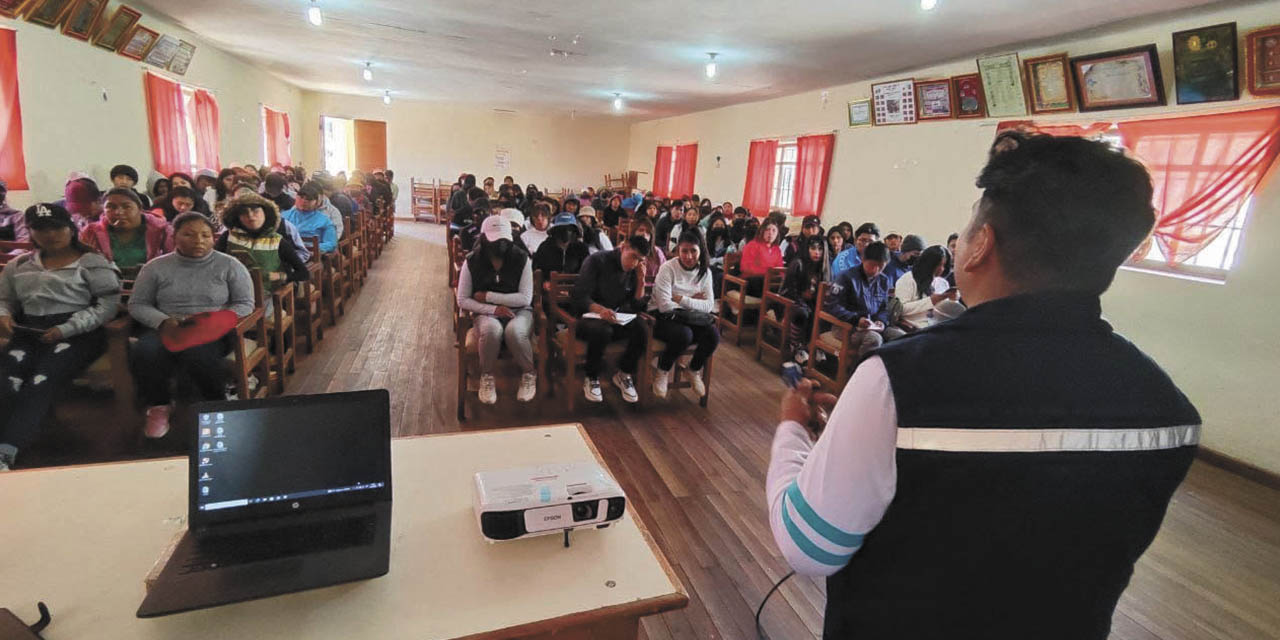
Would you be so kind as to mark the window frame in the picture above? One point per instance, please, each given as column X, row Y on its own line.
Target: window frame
column 779, row 165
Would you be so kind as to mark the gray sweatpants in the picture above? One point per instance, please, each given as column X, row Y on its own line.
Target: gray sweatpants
column 518, row 333
column 867, row 340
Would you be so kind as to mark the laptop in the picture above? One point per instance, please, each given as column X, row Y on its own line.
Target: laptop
column 285, row 494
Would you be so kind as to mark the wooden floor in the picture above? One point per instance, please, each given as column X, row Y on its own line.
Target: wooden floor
column 697, row 476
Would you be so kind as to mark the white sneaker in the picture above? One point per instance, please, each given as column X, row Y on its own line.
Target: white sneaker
column 488, row 391
column 591, row 389
column 660, row 380
column 528, row 387
column 695, row 379
column 627, row 386
column 801, row 357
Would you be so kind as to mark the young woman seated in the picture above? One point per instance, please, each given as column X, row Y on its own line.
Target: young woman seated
column 254, row 227
column 127, row 236
column 718, row 245
column 563, row 252
column 682, row 301
column 689, row 222
column 539, row 224
column 923, row 288
column 759, row 256
column 593, row 235
column 496, row 286
column 179, row 201
column 53, row 303
column 613, row 212
column 653, row 262
column 804, row 275
column 835, row 242
column 193, row 279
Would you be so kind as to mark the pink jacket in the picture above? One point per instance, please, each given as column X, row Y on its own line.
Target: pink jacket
column 758, row 257
column 159, row 237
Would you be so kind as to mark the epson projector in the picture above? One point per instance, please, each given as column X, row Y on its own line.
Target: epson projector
column 534, row 501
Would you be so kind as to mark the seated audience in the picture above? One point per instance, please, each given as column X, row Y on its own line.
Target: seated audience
column 662, row 227
column 13, row 223
column 950, row 274
column 206, row 187
column 683, row 299
column 326, row 205
column 805, row 273
column 84, row 201
column 812, row 226
column 690, row 221
column 224, row 190
column 273, row 189
column 495, row 285
column 158, row 189
column 835, row 243
column 53, row 303
column 254, row 226
column 759, row 256
column 180, row 179
column 900, row 260
column 613, row 212
column 894, row 242
column 860, row 297
column 309, row 217
column 593, row 235
column 851, row 257
column 718, row 246
column 539, row 223
column 563, row 251
column 170, row 289
column 124, row 176
column 923, row 288
column 612, row 282
column 127, row 236
column 652, row 262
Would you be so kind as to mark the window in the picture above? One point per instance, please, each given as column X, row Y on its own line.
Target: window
column 671, row 173
column 339, row 148
column 784, row 177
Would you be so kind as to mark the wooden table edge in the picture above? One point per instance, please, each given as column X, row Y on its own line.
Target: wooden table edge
column 636, row 610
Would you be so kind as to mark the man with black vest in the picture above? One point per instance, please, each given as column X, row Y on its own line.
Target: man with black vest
column 997, row 475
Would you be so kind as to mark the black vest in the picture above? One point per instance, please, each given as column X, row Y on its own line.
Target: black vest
column 485, row 278
column 1002, row 526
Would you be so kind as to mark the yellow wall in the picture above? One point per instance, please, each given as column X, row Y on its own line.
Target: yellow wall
column 430, row 140
column 1217, row 341
column 67, row 126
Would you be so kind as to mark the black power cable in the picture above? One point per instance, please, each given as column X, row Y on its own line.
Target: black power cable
column 759, row 630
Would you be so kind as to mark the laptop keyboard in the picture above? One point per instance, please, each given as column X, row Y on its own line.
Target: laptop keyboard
column 283, row 542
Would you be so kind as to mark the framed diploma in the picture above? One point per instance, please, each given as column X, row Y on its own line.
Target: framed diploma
column 139, row 43
column 1002, row 84
column 1262, row 52
column 12, row 8
column 84, row 18
column 934, row 100
column 893, row 102
column 1205, row 66
column 1119, row 79
column 115, row 29
column 48, row 13
column 971, row 102
column 162, row 53
column 182, row 58
column 860, row 113
column 1048, row 81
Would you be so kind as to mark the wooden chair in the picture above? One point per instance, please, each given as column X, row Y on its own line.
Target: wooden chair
column 564, row 347
column 331, row 281
column 654, row 348
column 281, row 327
column 309, row 305
column 830, row 337
column 736, row 307
column 350, row 272
column 250, row 355
column 611, row 183
column 468, row 350
column 775, row 316
column 10, row 250
column 457, row 256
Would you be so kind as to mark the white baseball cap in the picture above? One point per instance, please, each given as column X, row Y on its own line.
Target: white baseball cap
column 514, row 216
column 496, row 228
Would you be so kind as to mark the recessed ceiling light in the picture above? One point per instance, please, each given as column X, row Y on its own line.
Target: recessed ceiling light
column 928, row 5
column 386, row 97
column 711, row 66
column 313, row 14
column 368, row 71
column 617, row 102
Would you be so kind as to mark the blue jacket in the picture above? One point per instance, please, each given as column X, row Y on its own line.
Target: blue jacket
column 314, row 224
column 632, row 202
column 854, row 297
column 845, row 261
column 895, row 268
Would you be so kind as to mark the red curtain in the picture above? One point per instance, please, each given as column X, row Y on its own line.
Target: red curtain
column 13, row 166
column 662, row 172
column 813, row 165
column 686, row 169
column 761, row 162
column 276, row 125
column 1203, row 168
column 167, row 120
column 1061, row 130
column 207, row 130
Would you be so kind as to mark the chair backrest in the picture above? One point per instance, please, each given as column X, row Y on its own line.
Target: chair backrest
column 313, row 243
column 562, row 289
column 773, row 279
column 732, row 263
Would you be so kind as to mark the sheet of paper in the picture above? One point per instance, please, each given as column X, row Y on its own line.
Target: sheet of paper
column 622, row 318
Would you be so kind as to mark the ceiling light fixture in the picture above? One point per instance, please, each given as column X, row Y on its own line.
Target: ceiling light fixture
column 711, row 66
column 386, row 97
column 617, row 102
column 368, row 71
column 313, row 14
column 928, row 5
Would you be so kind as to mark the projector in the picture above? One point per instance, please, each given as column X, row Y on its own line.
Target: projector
column 534, row 501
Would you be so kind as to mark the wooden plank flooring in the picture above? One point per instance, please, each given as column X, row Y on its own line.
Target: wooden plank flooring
column 697, row 476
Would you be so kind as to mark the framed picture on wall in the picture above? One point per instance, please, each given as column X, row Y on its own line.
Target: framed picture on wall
column 162, row 53
column 139, row 43
column 48, row 13
column 84, row 18
column 115, row 29
column 1049, row 84
column 893, row 102
column 12, row 8
column 1120, row 79
column 934, row 100
column 182, row 58
column 860, row 113
column 1002, row 85
column 971, row 101
column 1205, row 66
column 1262, row 54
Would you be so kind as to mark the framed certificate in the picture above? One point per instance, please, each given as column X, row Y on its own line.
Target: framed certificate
column 1002, row 83
column 121, row 22
column 1262, row 53
column 84, row 18
column 182, row 58
column 139, row 43
column 971, row 101
column 893, row 102
column 860, row 113
column 1119, row 79
column 934, row 100
column 12, row 8
column 162, row 53
column 1205, row 66
column 1049, row 84
column 48, row 13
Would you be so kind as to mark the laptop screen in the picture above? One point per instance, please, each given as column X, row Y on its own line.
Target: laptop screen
column 286, row 455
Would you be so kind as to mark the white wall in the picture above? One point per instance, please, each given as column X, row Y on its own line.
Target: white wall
column 67, row 126
column 1217, row 341
column 432, row 140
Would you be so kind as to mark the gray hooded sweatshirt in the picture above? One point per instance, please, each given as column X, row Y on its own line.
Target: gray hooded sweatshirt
column 88, row 288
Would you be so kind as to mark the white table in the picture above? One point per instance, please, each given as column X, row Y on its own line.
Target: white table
column 82, row 539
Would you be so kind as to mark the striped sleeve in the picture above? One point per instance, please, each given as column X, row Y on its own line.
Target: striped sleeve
column 825, row 496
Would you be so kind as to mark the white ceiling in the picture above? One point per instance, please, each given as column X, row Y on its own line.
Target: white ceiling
column 496, row 53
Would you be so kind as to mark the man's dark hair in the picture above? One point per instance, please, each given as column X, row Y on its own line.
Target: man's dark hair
column 877, row 251
column 275, row 182
column 124, row 170
column 182, row 192
column 468, row 181
column 391, row 175
column 954, row 236
column 311, row 190
column 1067, row 212
column 867, row 227
column 475, row 193
column 542, row 208
column 639, row 243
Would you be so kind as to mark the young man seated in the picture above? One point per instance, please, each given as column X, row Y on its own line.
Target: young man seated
column 851, row 257
column 612, row 282
column 860, row 297
column 309, row 217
